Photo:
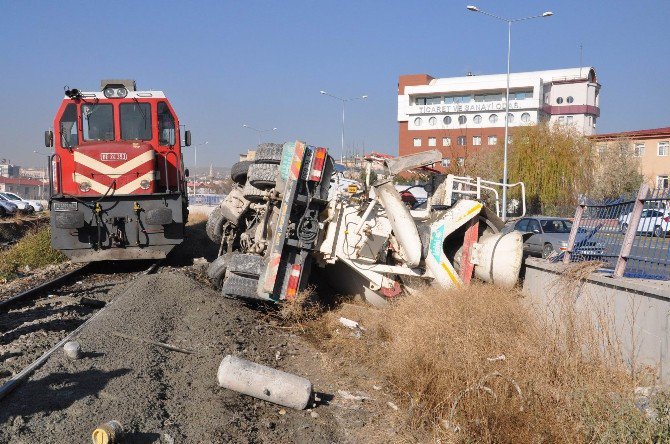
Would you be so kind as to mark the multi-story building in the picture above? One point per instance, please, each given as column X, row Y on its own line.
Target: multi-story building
column 8, row 170
column 651, row 146
column 460, row 115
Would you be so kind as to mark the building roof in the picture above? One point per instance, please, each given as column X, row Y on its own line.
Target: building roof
column 553, row 74
column 635, row 134
column 21, row 181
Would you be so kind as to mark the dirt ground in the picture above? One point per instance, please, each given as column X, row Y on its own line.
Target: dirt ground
column 166, row 396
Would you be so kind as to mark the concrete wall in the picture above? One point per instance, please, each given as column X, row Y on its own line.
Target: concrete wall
column 633, row 312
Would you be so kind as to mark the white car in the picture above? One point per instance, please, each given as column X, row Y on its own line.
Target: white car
column 21, row 202
column 652, row 221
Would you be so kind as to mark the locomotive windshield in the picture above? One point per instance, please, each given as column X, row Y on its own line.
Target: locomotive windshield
column 98, row 121
column 135, row 121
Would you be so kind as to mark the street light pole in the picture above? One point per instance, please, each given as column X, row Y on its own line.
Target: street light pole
column 195, row 162
column 259, row 131
column 509, row 52
column 344, row 101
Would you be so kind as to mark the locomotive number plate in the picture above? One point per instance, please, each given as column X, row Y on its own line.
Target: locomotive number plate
column 65, row 206
column 110, row 157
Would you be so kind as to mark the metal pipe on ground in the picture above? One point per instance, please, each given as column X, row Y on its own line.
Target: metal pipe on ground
column 263, row 382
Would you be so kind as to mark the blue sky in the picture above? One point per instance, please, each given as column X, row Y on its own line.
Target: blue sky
column 224, row 64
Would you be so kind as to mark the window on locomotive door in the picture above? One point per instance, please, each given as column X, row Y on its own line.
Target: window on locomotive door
column 135, row 121
column 166, row 127
column 98, row 121
column 68, row 127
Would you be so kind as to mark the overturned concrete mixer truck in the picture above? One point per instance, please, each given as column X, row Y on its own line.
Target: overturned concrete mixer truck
column 288, row 214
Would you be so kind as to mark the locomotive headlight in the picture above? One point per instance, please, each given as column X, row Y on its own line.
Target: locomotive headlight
column 111, row 92
column 145, row 184
column 85, row 186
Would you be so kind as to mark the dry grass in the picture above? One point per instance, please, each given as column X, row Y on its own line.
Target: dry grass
column 475, row 365
column 297, row 312
column 33, row 251
column 196, row 218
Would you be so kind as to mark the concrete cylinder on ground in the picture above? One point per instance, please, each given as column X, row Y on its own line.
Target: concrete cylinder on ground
column 264, row 382
column 404, row 227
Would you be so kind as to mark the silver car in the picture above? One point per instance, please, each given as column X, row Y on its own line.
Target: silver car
column 546, row 235
column 7, row 208
column 19, row 201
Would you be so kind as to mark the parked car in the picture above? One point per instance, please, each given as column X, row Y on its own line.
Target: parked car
column 652, row 221
column 546, row 235
column 7, row 208
column 23, row 207
column 15, row 198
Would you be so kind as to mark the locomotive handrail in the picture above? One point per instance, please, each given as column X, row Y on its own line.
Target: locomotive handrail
column 51, row 176
column 167, row 177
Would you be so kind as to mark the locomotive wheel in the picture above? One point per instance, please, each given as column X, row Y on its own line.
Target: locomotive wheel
column 247, row 265
column 252, row 194
column 214, row 226
column 263, row 175
column 239, row 171
column 239, row 287
column 269, row 153
column 216, row 272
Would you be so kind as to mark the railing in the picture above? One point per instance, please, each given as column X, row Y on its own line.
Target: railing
column 629, row 235
column 205, row 199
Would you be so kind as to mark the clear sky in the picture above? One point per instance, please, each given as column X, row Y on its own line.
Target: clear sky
column 225, row 63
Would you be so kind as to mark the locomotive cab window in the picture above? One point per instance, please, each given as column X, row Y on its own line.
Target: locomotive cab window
column 68, row 127
column 135, row 121
column 166, row 129
column 98, row 121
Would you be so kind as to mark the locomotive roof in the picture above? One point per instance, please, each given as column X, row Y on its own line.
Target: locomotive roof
column 131, row 95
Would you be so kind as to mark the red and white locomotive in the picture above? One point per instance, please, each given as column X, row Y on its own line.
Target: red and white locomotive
column 117, row 179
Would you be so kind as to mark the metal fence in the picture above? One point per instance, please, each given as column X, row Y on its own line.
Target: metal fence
column 205, row 199
column 629, row 234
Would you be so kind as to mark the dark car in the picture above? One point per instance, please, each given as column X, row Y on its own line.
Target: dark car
column 547, row 235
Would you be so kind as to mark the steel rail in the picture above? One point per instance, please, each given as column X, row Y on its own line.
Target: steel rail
column 49, row 284
column 17, row 379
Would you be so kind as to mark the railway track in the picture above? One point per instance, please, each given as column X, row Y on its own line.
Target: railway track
column 38, row 321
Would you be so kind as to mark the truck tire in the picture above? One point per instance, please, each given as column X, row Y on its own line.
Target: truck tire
column 239, row 171
column 247, row 265
column 269, row 153
column 239, row 287
column 216, row 272
column 263, row 175
column 252, row 194
column 214, row 226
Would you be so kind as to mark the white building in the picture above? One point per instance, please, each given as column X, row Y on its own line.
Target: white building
column 461, row 114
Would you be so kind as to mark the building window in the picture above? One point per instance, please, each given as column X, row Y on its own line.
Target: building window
column 432, row 121
column 446, row 141
column 638, row 150
column 663, row 148
column 546, row 98
column 460, row 141
column 446, row 162
column 461, row 161
column 510, row 118
column 559, row 100
column 561, row 120
column 476, row 140
column 477, row 119
column 493, row 118
column 509, row 140
column 601, row 150
column 417, row 121
column 417, row 141
column 493, row 140
column 432, row 141
column 462, row 120
column 420, row 100
column 447, row 120
column 662, row 182
column 568, row 120
column 525, row 117
column 570, row 99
